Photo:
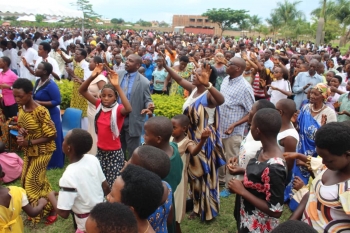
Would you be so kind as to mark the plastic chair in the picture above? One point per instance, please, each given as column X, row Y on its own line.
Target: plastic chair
column 71, row 119
column 12, row 132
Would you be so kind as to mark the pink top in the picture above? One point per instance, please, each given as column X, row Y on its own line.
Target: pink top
column 8, row 78
column 11, row 165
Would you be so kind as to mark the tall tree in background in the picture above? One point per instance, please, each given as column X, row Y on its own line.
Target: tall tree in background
column 90, row 16
column 288, row 12
column 274, row 22
column 226, row 17
column 117, row 21
column 254, row 21
column 342, row 15
column 39, row 18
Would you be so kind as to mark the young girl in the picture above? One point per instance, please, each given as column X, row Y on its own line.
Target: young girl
column 264, row 179
column 186, row 147
column 12, row 200
column 159, row 76
column 280, row 88
column 108, row 122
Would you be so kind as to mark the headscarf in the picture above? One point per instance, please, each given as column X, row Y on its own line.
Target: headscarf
column 323, row 88
column 147, row 56
column 93, row 42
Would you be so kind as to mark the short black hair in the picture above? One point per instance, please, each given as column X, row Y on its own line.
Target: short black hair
column 114, row 218
column 184, row 59
column 288, row 106
column 293, row 226
column 268, row 121
column 46, row 46
column 102, row 45
column 339, row 78
column 22, row 83
column 264, row 103
column 182, row 119
column 29, row 43
column 13, row 44
column 161, row 126
column 80, row 140
column 7, row 60
column 83, row 52
column 154, row 159
column 334, row 137
column 97, row 59
column 143, row 190
column 48, row 67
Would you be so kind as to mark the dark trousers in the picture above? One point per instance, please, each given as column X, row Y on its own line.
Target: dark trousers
column 129, row 144
column 10, row 111
column 160, row 92
column 236, row 211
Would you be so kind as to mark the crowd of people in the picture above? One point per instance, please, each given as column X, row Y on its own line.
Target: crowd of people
column 266, row 119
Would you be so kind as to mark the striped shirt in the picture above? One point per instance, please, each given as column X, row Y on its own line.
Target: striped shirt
column 239, row 99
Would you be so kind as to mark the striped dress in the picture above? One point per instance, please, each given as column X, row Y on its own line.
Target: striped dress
column 36, row 158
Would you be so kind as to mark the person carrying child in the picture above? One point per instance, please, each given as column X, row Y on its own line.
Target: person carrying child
column 108, row 122
column 12, row 200
column 83, row 184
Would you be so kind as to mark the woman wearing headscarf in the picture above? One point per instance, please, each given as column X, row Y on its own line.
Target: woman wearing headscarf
column 312, row 116
column 147, row 63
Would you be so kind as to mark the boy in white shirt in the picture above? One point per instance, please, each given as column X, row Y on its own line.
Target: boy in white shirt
column 83, row 184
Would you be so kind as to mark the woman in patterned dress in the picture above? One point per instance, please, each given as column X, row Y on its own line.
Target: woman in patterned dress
column 36, row 136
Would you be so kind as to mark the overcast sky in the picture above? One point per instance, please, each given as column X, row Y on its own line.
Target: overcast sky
column 133, row 10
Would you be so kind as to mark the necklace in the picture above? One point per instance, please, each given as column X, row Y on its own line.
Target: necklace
column 312, row 108
column 40, row 85
column 147, row 227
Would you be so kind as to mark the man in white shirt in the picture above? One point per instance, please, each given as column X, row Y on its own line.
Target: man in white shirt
column 30, row 55
column 61, row 57
column 61, row 41
column 37, row 40
column 43, row 55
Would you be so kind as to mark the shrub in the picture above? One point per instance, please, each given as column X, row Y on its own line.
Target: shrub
column 168, row 106
column 66, row 90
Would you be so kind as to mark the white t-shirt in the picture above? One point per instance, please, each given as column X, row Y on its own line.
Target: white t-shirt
column 277, row 95
column 249, row 148
column 86, row 177
column 30, row 55
column 54, row 64
column 289, row 132
column 36, row 44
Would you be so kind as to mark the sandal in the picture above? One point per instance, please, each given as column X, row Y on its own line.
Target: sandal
column 192, row 216
column 51, row 219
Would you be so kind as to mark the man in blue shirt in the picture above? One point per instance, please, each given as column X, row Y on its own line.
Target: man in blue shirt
column 304, row 81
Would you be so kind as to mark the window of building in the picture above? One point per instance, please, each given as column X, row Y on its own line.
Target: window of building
column 192, row 20
column 199, row 20
column 207, row 20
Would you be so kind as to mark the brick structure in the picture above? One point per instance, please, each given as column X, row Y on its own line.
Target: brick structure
column 195, row 24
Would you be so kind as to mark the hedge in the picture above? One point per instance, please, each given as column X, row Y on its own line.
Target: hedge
column 165, row 105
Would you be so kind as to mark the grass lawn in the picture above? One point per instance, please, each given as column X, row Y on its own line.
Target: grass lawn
column 224, row 223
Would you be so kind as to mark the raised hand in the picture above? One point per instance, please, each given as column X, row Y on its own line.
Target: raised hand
column 113, row 78
column 262, row 83
column 98, row 70
column 324, row 119
column 204, row 77
column 24, row 61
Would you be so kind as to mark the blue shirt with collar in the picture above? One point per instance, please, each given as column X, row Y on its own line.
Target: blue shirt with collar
column 301, row 80
column 131, row 83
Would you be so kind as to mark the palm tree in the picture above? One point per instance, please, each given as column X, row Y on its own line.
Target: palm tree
column 254, row 21
column 324, row 10
column 288, row 11
column 342, row 15
column 275, row 23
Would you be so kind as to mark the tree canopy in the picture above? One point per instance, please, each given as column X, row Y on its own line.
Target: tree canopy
column 90, row 16
column 226, row 17
column 117, row 21
column 39, row 18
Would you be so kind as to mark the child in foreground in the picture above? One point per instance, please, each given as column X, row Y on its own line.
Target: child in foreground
column 188, row 150
column 83, row 184
column 111, row 218
column 12, row 200
column 158, row 162
column 263, row 185
column 158, row 131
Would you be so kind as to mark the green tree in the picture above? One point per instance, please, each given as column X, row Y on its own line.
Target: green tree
column 342, row 15
column 117, row 21
column 288, row 12
column 254, row 21
column 90, row 16
column 144, row 23
column 39, row 18
column 12, row 18
column 163, row 24
column 274, row 22
column 226, row 17
column 326, row 12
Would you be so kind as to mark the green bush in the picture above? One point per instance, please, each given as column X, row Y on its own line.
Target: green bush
column 66, row 90
column 168, row 106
